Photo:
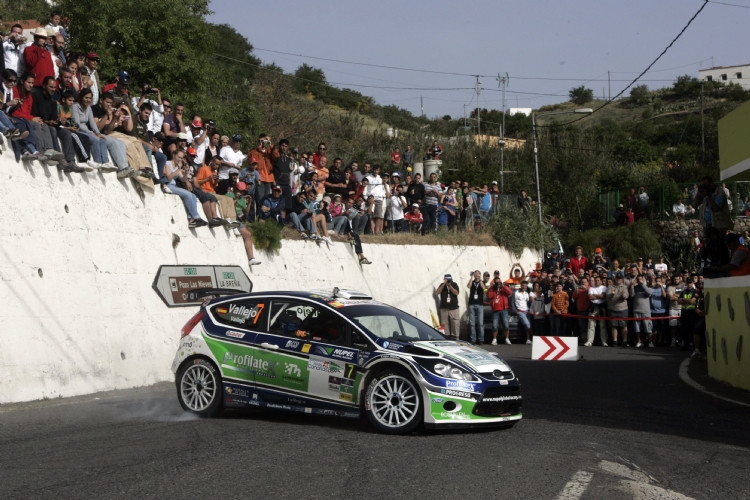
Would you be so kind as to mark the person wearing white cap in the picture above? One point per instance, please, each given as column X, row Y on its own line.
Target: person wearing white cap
column 37, row 59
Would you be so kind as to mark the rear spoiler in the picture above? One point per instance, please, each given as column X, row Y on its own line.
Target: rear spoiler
column 206, row 293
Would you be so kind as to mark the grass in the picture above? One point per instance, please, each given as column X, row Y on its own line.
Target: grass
column 461, row 238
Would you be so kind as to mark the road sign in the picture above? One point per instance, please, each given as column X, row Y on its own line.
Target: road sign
column 174, row 284
column 554, row 348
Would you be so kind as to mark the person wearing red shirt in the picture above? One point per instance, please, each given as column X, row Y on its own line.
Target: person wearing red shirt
column 38, row 59
column 320, row 153
column 414, row 218
column 20, row 111
column 498, row 295
column 629, row 216
column 583, row 304
column 578, row 261
column 396, row 157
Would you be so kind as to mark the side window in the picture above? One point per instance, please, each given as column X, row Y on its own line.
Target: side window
column 246, row 313
column 410, row 331
column 305, row 321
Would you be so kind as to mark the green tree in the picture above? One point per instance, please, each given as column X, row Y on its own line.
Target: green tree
column 686, row 87
column 310, row 79
column 581, row 95
column 640, row 95
column 159, row 42
column 13, row 10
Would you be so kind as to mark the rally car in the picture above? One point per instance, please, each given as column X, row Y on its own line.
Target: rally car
column 338, row 353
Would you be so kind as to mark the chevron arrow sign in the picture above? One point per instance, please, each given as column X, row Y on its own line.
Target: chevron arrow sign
column 555, row 348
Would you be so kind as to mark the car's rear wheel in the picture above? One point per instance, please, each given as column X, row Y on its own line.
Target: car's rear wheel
column 393, row 403
column 199, row 388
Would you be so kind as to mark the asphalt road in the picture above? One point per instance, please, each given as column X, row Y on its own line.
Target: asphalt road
column 618, row 423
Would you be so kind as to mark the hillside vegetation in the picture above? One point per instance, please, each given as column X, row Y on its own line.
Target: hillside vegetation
column 665, row 136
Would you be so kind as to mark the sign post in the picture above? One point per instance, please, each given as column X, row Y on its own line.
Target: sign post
column 174, row 284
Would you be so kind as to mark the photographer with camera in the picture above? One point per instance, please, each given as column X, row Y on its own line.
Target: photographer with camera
column 13, row 48
column 449, row 316
column 498, row 296
column 156, row 120
column 263, row 154
column 199, row 133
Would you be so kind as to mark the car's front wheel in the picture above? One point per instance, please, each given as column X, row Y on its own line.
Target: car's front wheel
column 392, row 402
column 199, row 388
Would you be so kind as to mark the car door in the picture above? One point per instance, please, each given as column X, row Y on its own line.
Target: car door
column 232, row 338
column 309, row 345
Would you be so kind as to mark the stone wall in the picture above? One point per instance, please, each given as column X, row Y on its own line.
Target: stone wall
column 681, row 230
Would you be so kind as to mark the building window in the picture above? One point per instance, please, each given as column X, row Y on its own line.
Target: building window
column 709, row 78
column 724, row 77
column 738, row 75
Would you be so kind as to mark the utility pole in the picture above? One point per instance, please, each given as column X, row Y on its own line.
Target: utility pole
column 479, row 130
column 503, row 80
column 421, row 105
column 703, row 131
column 609, row 86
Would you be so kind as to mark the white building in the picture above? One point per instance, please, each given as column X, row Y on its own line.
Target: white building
column 727, row 74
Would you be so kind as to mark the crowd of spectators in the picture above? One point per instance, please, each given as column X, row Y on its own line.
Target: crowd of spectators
column 643, row 303
column 57, row 111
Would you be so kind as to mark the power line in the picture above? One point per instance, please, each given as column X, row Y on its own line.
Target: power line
column 365, row 64
column 727, row 4
column 705, row 2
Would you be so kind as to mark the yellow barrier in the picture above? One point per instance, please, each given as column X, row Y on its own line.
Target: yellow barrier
column 728, row 330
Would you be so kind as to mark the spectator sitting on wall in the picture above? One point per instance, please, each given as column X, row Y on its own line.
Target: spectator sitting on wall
column 434, row 151
column 176, row 170
column 119, row 88
column 272, row 206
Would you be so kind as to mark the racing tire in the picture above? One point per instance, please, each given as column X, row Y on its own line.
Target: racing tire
column 393, row 403
column 199, row 388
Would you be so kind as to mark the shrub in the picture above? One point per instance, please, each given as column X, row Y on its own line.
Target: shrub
column 621, row 242
column 266, row 235
column 514, row 230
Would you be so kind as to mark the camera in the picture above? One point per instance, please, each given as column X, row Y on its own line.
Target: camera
column 211, row 124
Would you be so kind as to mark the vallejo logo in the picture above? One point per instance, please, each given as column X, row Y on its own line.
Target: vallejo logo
column 292, row 369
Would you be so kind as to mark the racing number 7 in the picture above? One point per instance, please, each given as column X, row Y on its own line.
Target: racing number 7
column 349, row 371
column 258, row 310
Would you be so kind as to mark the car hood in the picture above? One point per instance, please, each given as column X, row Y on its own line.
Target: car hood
column 480, row 360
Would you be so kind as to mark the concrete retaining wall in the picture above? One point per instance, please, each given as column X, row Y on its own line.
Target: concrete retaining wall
column 79, row 253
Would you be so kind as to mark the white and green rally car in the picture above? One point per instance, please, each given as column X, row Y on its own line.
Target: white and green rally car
column 338, row 353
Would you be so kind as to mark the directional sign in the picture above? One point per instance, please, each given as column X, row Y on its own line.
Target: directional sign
column 174, row 283
column 555, row 348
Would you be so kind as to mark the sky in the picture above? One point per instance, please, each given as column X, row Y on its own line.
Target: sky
column 400, row 52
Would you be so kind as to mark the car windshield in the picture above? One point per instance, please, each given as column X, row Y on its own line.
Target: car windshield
column 389, row 323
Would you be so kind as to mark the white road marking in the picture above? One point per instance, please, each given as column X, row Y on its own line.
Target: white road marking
column 625, row 471
column 645, row 491
column 695, row 385
column 638, row 484
column 576, row 487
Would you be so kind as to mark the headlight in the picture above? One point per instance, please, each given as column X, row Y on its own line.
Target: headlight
column 450, row 371
column 503, row 363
